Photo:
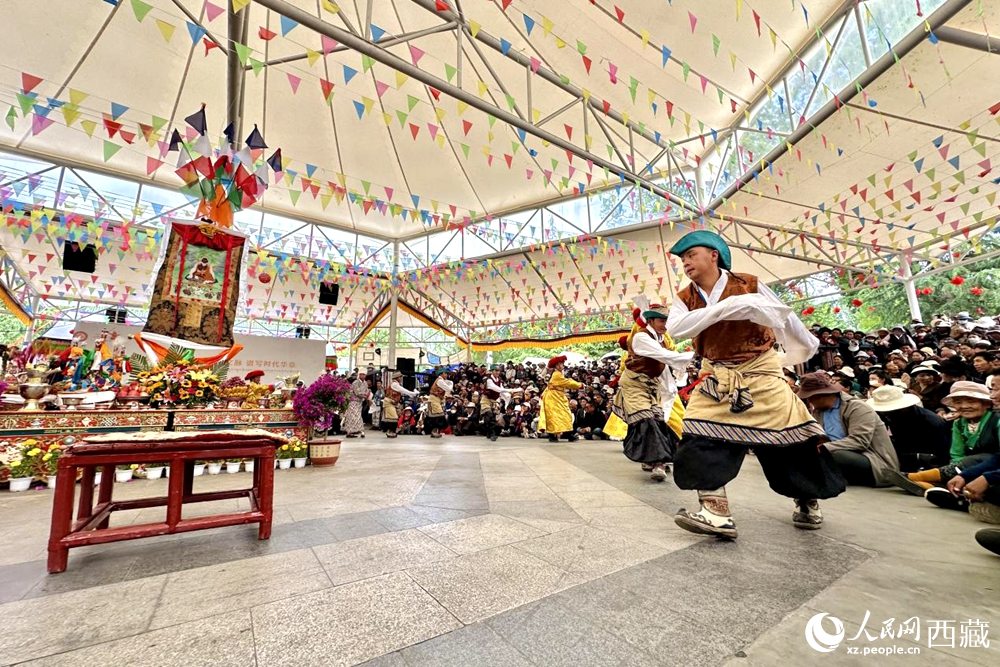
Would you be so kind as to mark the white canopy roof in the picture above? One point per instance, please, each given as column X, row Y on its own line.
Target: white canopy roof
column 373, row 153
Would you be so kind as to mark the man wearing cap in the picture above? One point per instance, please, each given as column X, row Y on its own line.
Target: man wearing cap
column 859, row 441
column 743, row 400
column 435, row 418
column 647, row 393
column 555, row 405
column 253, row 377
column 390, row 404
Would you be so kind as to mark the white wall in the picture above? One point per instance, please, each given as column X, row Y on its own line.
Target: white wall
column 277, row 357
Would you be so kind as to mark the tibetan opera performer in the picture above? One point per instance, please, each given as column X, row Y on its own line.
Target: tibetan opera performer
column 647, row 393
column 436, row 419
column 743, row 400
column 390, row 405
column 491, row 399
column 354, row 424
column 555, row 404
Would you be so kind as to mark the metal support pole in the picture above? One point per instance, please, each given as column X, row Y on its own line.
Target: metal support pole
column 395, row 62
column 394, row 307
column 30, row 334
column 468, row 349
column 911, row 289
column 969, row 40
column 235, row 73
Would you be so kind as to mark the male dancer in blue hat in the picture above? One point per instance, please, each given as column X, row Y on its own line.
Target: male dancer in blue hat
column 743, row 400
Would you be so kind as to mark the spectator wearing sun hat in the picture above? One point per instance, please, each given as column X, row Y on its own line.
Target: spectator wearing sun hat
column 974, row 437
column 859, row 441
column 920, row 437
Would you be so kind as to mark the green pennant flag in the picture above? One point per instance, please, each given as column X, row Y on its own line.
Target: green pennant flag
column 11, row 117
column 257, row 66
column 465, row 149
column 449, row 72
column 687, row 70
column 366, row 63
column 716, row 42
column 402, row 117
column 158, row 123
column 110, row 149
column 26, row 102
column 294, row 196
column 510, row 101
column 242, row 52
column 140, row 9
column 366, row 186
column 411, row 102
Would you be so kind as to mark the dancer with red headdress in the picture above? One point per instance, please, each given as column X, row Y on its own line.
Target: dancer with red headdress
column 555, row 406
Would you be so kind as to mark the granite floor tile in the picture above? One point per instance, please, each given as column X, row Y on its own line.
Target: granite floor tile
column 401, row 518
column 453, row 500
column 484, row 532
column 221, row 641
column 476, row 586
column 598, row 499
column 472, row 645
column 17, row 579
column 76, row 619
column 549, row 634
column 206, row 591
column 353, row 526
column 348, row 624
column 353, row 560
column 588, row 551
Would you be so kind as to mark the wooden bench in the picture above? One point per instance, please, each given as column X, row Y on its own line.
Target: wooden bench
column 179, row 451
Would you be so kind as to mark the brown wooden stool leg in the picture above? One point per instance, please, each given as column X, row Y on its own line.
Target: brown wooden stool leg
column 179, row 472
column 86, row 506
column 62, row 516
column 105, row 491
column 265, row 494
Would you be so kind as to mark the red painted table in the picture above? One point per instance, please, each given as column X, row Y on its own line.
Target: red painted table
column 180, row 450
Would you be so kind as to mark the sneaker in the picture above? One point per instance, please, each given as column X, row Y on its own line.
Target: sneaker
column 807, row 515
column 574, row 437
column 659, row 473
column 989, row 538
column 985, row 512
column 724, row 527
column 943, row 498
column 901, row 480
column 647, row 467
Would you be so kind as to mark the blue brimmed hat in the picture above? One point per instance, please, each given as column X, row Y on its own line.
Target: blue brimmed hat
column 705, row 239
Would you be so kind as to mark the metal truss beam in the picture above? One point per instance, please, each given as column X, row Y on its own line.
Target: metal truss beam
column 387, row 42
column 542, row 72
column 969, row 40
column 909, row 42
column 237, row 24
column 395, row 62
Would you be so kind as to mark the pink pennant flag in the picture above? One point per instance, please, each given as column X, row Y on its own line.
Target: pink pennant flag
column 693, row 20
column 213, row 11
column 329, row 43
column 152, row 164
column 704, row 82
column 39, row 123
column 613, row 72
column 415, row 54
column 294, row 81
column 535, row 63
column 380, row 88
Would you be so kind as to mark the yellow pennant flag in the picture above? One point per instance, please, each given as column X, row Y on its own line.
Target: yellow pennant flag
column 313, row 56
column 89, row 126
column 401, row 79
column 331, row 7
column 238, row 5
column 166, row 29
column 76, row 97
column 474, row 28
column 482, row 88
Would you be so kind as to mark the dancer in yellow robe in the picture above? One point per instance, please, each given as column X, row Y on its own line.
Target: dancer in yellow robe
column 558, row 418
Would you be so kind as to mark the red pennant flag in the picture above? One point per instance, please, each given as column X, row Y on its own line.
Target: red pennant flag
column 569, row 131
column 414, row 129
column 619, row 13
column 441, row 6
column 756, row 19
column 265, row 34
column 112, row 127
column 607, row 107
column 327, row 87
column 466, row 126
column 152, row 164
column 586, row 64
column 209, row 45
column 29, row 81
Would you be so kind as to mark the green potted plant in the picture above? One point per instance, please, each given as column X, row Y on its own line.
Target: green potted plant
column 233, row 465
column 283, row 455
column 50, row 461
column 154, row 470
column 124, row 472
column 22, row 467
column 214, row 467
column 300, row 453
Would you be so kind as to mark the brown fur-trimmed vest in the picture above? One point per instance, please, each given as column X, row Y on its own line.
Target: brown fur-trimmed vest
column 729, row 341
column 645, row 365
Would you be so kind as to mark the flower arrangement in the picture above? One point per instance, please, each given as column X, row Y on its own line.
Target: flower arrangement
column 316, row 405
column 300, row 450
column 50, row 459
column 285, row 451
column 3, row 386
column 179, row 383
column 26, row 462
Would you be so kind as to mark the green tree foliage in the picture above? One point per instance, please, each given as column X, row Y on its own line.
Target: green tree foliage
column 11, row 329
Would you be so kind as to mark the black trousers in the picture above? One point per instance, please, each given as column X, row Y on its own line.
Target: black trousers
column 803, row 471
column 856, row 467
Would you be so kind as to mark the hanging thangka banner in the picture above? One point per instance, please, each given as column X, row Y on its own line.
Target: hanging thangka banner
column 198, row 285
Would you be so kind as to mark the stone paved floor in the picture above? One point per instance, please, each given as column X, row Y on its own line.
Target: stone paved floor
column 464, row 552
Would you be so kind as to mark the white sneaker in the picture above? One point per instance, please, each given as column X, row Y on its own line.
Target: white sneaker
column 659, row 473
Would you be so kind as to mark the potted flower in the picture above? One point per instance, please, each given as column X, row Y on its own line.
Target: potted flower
column 154, row 470
column 248, row 464
column 50, row 461
column 315, row 407
column 283, row 456
column 214, row 467
column 124, row 472
column 199, row 468
column 21, row 470
column 233, row 465
column 300, row 452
